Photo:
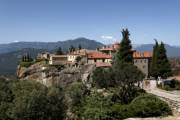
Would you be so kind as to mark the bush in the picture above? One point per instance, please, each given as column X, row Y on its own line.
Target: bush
column 59, row 67
column 26, row 64
column 148, row 105
column 167, row 87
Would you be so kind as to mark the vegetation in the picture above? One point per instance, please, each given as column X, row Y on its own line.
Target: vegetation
column 174, row 85
column 160, row 65
column 119, row 98
column 27, row 100
column 59, row 51
column 29, row 63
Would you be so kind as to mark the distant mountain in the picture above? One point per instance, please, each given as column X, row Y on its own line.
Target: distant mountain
column 9, row 61
column 85, row 43
column 172, row 51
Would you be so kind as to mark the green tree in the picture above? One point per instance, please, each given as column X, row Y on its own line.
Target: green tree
column 79, row 47
column 124, row 52
column 6, row 98
column 77, row 93
column 154, row 67
column 72, row 48
column 163, row 65
column 96, row 107
column 34, row 101
column 59, row 51
column 125, row 73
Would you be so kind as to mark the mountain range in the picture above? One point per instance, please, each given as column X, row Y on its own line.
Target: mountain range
column 11, row 53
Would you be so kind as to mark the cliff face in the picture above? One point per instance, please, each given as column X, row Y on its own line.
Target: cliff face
column 51, row 76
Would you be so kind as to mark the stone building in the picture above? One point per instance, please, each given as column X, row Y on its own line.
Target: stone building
column 143, row 61
column 100, row 57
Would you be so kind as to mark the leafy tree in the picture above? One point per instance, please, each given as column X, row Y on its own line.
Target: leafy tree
column 77, row 93
column 154, row 68
column 99, row 79
column 34, row 101
column 5, row 98
column 163, row 65
column 59, row 51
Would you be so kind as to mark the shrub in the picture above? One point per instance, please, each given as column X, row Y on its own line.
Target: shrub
column 26, row 64
column 148, row 105
column 167, row 87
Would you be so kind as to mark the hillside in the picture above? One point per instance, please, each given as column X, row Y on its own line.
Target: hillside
column 9, row 61
column 85, row 43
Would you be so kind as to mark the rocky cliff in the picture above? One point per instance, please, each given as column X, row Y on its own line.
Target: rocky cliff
column 49, row 75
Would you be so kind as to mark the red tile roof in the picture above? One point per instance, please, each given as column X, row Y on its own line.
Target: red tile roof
column 99, row 55
column 142, row 55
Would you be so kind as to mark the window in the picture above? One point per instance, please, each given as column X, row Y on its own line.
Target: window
column 103, row 60
column 94, row 60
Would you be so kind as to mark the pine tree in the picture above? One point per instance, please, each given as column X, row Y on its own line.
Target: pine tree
column 154, row 69
column 124, row 52
column 163, row 65
column 59, row 51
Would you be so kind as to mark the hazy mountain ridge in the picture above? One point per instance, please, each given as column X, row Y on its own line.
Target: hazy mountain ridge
column 85, row 43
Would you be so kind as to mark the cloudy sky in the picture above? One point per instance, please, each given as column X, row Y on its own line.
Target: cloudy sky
column 102, row 20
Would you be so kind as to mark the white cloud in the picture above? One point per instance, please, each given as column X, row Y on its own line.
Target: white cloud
column 16, row 41
column 108, row 39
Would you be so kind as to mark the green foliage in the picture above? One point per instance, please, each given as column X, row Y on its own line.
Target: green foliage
column 28, row 64
column 77, row 93
column 25, row 100
column 79, row 47
column 126, row 75
column 78, row 59
column 124, row 52
column 164, row 67
column 72, row 48
column 145, row 105
column 160, row 65
column 96, row 107
column 154, row 68
column 59, row 67
column 149, row 105
column 175, row 85
column 59, row 51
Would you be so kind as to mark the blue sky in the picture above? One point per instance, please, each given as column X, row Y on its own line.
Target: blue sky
column 102, row 20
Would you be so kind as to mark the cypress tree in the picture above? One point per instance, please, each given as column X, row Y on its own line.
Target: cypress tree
column 163, row 65
column 154, row 69
column 124, row 52
column 125, row 73
column 79, row 47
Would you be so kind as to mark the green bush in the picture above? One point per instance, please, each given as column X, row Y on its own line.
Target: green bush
column 148, row 105
column 26, row 64
column 59, row 67
column 167, row 87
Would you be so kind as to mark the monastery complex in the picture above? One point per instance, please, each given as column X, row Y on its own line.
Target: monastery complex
column 99, row 57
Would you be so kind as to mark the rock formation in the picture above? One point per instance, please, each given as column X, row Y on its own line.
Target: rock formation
column 49, row 75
